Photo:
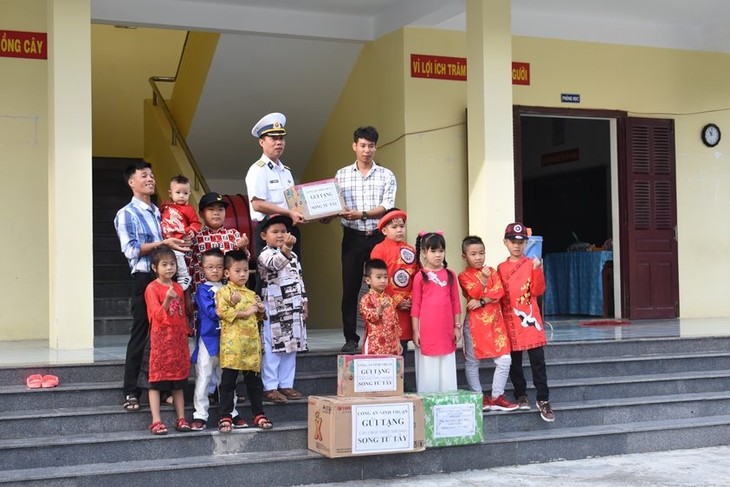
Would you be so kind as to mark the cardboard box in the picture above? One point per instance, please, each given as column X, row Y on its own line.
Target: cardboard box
column 453, row 418
column 318, row 199
column 369, row 375
column 354, row 426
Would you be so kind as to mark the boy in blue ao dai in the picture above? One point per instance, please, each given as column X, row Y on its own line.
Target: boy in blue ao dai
column 207, row 341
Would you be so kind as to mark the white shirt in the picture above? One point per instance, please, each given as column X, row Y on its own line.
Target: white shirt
column 365, row 193
column 267, row 180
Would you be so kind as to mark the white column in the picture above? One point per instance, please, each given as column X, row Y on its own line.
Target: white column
column 489, row 118
column 71, row 289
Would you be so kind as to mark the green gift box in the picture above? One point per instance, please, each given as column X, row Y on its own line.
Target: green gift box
column 453, row 418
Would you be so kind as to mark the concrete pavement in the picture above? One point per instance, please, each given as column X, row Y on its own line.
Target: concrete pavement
column 707, row 467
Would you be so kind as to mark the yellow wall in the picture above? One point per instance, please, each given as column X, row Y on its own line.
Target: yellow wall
column 23, row 155
column 167, row 160
column 690, row 87
column 373, row 95
column 199, row 51
column 687, row 86
column 434, row 182
column 122, row 62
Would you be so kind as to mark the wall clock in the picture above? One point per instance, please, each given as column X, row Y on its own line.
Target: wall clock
column 711, row 135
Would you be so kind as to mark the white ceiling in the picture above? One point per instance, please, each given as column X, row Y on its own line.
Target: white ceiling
column 294, row 56
column 690, row 24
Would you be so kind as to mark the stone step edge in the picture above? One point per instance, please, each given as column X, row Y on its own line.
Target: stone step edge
column 485, row 365
column 614, row 379
column 137, row 435
column 301, row 424
column 607, row 345
column 208, row 461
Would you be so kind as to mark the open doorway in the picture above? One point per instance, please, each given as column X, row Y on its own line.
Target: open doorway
column 600, row 187
column 566, row 181
column 566, row 195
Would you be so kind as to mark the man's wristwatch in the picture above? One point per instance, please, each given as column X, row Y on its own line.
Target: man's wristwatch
column 364, row 216
column 482, row 302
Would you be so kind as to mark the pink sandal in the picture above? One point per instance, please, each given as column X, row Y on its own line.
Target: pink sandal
column 49, row 381
column 34, row 381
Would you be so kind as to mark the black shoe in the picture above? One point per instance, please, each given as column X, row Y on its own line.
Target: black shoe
column 349, row 347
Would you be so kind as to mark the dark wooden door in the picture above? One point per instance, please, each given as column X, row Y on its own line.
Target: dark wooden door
column 649, row 221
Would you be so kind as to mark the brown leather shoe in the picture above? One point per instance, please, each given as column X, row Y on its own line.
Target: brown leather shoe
column 274, row 396
column 290, row 393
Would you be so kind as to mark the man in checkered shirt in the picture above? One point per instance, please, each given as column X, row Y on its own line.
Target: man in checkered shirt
column 369, row 191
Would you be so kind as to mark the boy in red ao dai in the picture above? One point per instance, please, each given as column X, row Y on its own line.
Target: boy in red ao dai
column 382, row 329
column 485, row 333
column 523, row 280
column 402, row 265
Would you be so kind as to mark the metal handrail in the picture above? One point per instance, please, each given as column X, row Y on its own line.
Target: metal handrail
column 177, row 136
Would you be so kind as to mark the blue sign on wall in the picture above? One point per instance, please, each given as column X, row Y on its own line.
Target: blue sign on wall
column 569, row 98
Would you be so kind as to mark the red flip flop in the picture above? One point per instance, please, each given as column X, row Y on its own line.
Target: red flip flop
column 34, row 381
column 49, row 381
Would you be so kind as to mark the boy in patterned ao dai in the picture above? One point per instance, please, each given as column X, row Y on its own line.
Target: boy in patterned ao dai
column 239, row 310
column 378, row 311
column 523, row 280
column 485, row 333
column 213, row 235
column 283, row 294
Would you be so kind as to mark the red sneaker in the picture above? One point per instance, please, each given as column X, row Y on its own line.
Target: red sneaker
column 502, row 404
column 486, row 403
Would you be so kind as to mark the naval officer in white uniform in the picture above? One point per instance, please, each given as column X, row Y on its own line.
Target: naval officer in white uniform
column 268, row 178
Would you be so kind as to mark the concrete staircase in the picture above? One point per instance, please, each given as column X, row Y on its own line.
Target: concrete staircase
column 610, row 398
column 112, row 280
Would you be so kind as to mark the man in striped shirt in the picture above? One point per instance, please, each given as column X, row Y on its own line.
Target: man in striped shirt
column 139, row 231
column 369, row 191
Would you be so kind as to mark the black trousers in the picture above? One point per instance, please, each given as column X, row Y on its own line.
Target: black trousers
column 227, row 387
column 539, row 373
column 356, row 248
column 138, row 335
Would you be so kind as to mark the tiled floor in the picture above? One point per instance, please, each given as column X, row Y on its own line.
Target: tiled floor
column 561, row 329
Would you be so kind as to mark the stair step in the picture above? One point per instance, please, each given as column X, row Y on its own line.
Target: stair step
column 138, row 445
column 506, row 449
column 651, row 347
column 112, row 256
column 107, row 242
column 109, row 419
column 88, row 394
column 117, row 164
column 112, row 325
column 316, row 365
column 118, row 306
column 114, row 289
column 111, row 272
column 612, row 411
column 111, row 196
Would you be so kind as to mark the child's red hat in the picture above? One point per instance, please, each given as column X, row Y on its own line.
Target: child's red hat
column 391, row 215
column 516, row 231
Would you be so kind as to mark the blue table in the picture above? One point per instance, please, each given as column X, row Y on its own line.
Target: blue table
column 574, row 283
